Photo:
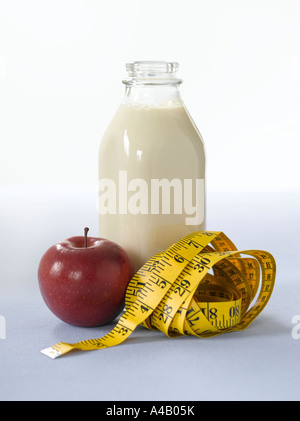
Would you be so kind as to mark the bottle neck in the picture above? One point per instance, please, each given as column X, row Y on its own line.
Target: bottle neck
column 152, row 95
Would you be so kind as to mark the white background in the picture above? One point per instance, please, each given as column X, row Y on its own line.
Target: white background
column 61, row 66
column 62, row 62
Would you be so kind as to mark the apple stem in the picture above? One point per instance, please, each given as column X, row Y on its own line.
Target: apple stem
column 86, row 229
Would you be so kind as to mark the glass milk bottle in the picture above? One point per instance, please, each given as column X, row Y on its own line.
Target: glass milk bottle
column 151, row 165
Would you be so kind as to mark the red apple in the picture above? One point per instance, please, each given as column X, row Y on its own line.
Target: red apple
column 83, row 280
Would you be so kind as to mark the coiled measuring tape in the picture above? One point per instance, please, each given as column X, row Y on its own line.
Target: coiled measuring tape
column 199, row 286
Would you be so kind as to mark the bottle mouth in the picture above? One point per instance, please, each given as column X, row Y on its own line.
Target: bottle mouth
column 152, row 72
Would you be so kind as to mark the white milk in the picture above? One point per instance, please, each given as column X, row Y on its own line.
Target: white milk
column 151, row 179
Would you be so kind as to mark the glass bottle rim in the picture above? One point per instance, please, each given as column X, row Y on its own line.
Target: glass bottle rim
column 152, row 72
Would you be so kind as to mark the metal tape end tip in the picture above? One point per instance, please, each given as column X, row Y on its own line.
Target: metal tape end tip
column 51, row 353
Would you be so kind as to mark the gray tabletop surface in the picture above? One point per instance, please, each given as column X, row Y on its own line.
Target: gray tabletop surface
column 259, row 363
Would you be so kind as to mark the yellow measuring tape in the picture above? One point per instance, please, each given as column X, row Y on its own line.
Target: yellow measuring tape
column 199, row 286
